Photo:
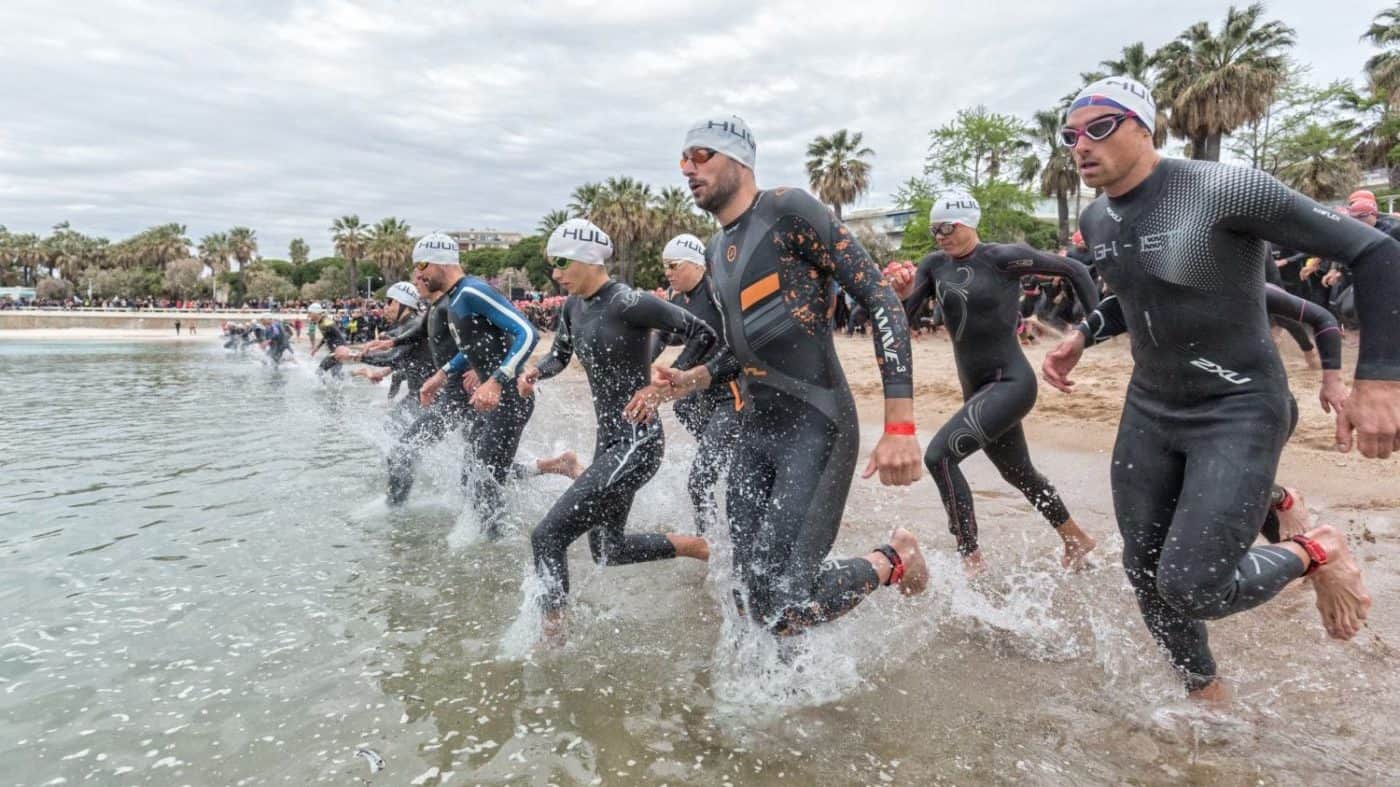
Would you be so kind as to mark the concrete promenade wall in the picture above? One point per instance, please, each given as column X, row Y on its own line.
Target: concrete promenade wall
column 150, row 319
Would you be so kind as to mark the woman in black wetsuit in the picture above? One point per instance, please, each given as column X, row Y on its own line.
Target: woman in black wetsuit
column 978, row 286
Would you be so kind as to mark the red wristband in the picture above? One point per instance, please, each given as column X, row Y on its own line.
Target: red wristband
column 900, row 428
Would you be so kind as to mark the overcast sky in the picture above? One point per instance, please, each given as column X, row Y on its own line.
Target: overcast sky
column 117, row 115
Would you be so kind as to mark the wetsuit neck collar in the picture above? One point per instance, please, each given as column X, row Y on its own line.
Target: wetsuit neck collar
column 606, row 282
column 1147, row 186
column 975, row 248
column 756, row 197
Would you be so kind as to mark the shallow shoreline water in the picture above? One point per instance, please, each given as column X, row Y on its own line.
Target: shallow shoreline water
column 202, row 586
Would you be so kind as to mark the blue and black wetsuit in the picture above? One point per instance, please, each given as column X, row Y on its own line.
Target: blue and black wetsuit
column 711, row 416
column 611, row 333
column 980, row 298
column 495, row 339
column 1208, row 407
column 800, row 433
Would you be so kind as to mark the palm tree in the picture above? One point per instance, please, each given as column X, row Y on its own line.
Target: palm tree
column 243, row 245
column 1383, row 69
column 390, row 244
column 1059, row 177
column 835, row 170
column 1374, row 132
column 349, row 236
column 674, row 212
column 298, row 251
column 214, row 252
column 1213, row 84
column 622, row 208
column 1318, row 163
column 584, row 200
column 551, row 220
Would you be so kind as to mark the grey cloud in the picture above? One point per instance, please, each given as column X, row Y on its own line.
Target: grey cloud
column 120, row 115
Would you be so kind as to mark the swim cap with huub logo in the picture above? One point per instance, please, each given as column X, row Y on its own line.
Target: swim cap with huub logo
column 686, row 248
column 728, row 135
column 580, row 240
column 404, row 293
column 1124, row 93
column 437, row 248
column 955, row 207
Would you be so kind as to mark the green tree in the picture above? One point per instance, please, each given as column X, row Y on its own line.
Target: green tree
column 622, row 209
column 243, row 246
column 182, row 278
column 1383, row 69
column 974, row 147
column 262, row 284
column 298, row 251
column 1317, row 161
column 390, row 245
column 551, row 220
column 349, row 236
column 214, row 252
column 1374, row 131
column 912, row 191
column 1214, row 84
column 1296, row 105
column 835, row 168
column 1057, row 175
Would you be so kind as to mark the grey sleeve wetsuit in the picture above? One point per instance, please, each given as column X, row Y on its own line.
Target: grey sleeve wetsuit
column 1208, row 408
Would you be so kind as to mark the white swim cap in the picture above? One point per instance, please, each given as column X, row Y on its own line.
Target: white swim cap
column 728, row 135
column 315, row 308
column 1124, row 93
column 686, row 248
column 404, row 293
column 436, row 248
column 581, row 241
column 955, row 207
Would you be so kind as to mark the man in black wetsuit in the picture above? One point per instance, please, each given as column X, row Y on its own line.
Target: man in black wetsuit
column 608, row 325
column 1208, row 407
column 470, row 327
column 978, row 286
column 1362, row 206
column 712, row 415
column 798, row 444
column 410, row 364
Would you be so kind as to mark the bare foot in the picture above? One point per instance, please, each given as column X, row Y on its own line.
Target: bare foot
column 565, row 464
column 1295, row 520
column 1341, row 596
column 974, row 565
column 1213, row 693
column 915, row 579
column 1078, row 545
column 553, row 633
column 690, row 546
column 1314, row 360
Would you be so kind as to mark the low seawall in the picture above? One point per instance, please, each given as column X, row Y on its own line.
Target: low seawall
column 146, row 319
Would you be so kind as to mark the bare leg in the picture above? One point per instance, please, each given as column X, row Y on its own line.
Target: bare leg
column 565, row 464
column 690, row 546
column 974, row 565
column 1293, row 520
column 1078, row 544
column 915, row 579
column 1213, row 693
column 1341, row 595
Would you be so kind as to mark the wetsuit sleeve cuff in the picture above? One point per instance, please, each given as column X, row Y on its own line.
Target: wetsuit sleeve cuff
column 1088, row 333
column 1378, row 371
column 899, row 391
column 500, row 377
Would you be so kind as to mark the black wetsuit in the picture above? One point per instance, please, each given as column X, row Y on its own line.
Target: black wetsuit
column 412, row 364
column 979, row 295
column 331, row 338
column 1208, row 408
column 611, row 333
column 447, row 412
column 800, row 433
column 711, row 416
